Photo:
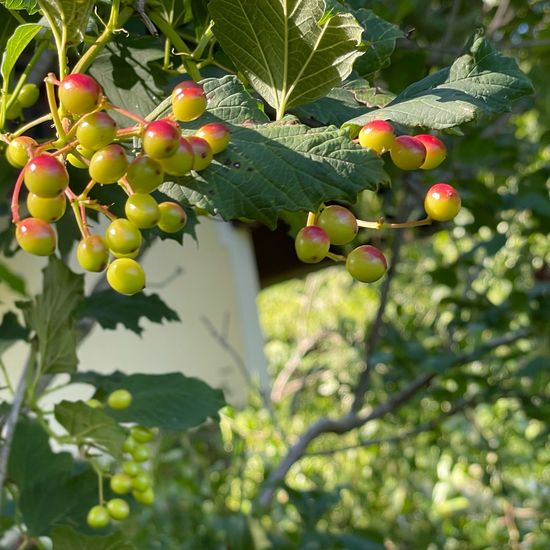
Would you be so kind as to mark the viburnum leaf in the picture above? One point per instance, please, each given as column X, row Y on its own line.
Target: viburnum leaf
column 291, row 51
column 64, row 537
column 481, row 81
column 268, row 168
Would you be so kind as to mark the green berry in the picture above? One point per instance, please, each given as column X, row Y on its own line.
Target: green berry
column 141, row 482
column 172, row 217
column 123, row 236
column 377, row 135
column 160, row 139
column 144, row 174
column 366, row 263
column 76, row 162
column 146, row 497
column 46, row 176
column 79, row 93
column 141, row 453
column 18, row 150
column 94, row 404
column 118, row 508
column 28, row 95
column 98, row 517
column 47, row 209
column 126, row 276
column 202, row 153
column 216, row 134
column 15, row 111
column 119, row 399
column 188, row 101
column 109, row 164
column 408, row 153
column 312, row 244
column 141, row 434
column 92, row 253
column 339, row 223
column 442, row 202
column 142, row 210
column 35, row 236
column 181, row 161
column 96, row 130
column 131, row 468
column 121, row 484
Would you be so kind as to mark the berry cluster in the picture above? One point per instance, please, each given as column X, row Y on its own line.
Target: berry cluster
column 132, row 476
column 336, row 225
column 89, row 139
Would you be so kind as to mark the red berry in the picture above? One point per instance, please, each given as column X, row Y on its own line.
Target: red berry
column 408, row 153
column 46, row 176
column 311, row 244
column 79, row 93
column 442, row 202
column 366, row 263
column 160, row 139
column 339, row 223
column 435, row 151
column 202, row 153
column 188, row 101
column 377, row 135
column 35, row 237
column 216, row 134
column 181, row 161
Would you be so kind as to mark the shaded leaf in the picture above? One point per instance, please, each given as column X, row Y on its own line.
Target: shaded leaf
column 15, row 282
column 11, row 331
column 64, row 537
column 168, row 401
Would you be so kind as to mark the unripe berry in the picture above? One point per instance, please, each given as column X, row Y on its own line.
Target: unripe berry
column 141, row 482
column 160, row 139
column 311, row 244
column 188, row 101
column 442, row 202
column 202, row 153
column 123, row 236
column 47, row 209
column 98, row 517
column 144, row 497
column 408, row 153
column 144, row 174
column 121, row 484
column 46, row 176
column 96, row 130
column 119, row 399
column 126, row 276
column 366, row 263
column 28, row 95
column 118, row 508
column 18, row 150
column 339, row 223
column 216, row 134
column 377, row 135
column 76, row 162
column 181, row 161
column 141, row 434
column 92, row 253
column 35, row 237
column 109, row 164
column 172, row 217
column 79, row 93
column 436, row 151
column 142, row 210
column 15, row 111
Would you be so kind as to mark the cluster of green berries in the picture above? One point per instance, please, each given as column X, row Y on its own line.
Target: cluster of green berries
column 336, row 225
column 93, row 142
column 28, row 95
column 132, row 476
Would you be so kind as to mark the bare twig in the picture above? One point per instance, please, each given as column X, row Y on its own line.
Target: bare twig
column 140, row 8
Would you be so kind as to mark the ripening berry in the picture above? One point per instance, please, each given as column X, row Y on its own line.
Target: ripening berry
column 123, row 236
column 126, row 276
column 143, row 210
column 442, row 202
column 35, row 236
column 18, row 150
column 311, row 244
column 172, row 217
column 339, row 223
column 188, row 101
column 408, row 153
column 181, row 161
column 144, row 174
column 79, row 93
column 436, row 151
column 366, row 264
column 202, row 153
column 46, row 176
column 92, row 253
column 216, row 134
column 160, row 139
column 377, row 135
column 96, row 130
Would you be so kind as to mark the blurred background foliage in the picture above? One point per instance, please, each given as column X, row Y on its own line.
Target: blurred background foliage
column 463, row 464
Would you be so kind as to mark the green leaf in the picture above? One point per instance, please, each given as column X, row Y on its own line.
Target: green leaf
column 379, row 37
column 15, row 282
column 11, row 331
column 168, row 401
column 31, row 458
column 90, row 424
column 289, row 50
column 64, row 537
column 30, row 6
column 17, row 43
column 110, row 308
column 51, row 316
column 481, row 81
column 73, row 15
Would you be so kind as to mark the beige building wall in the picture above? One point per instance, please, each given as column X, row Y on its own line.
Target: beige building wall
column 212, row 285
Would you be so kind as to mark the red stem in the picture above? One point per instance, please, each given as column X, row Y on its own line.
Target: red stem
column 15, row 197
